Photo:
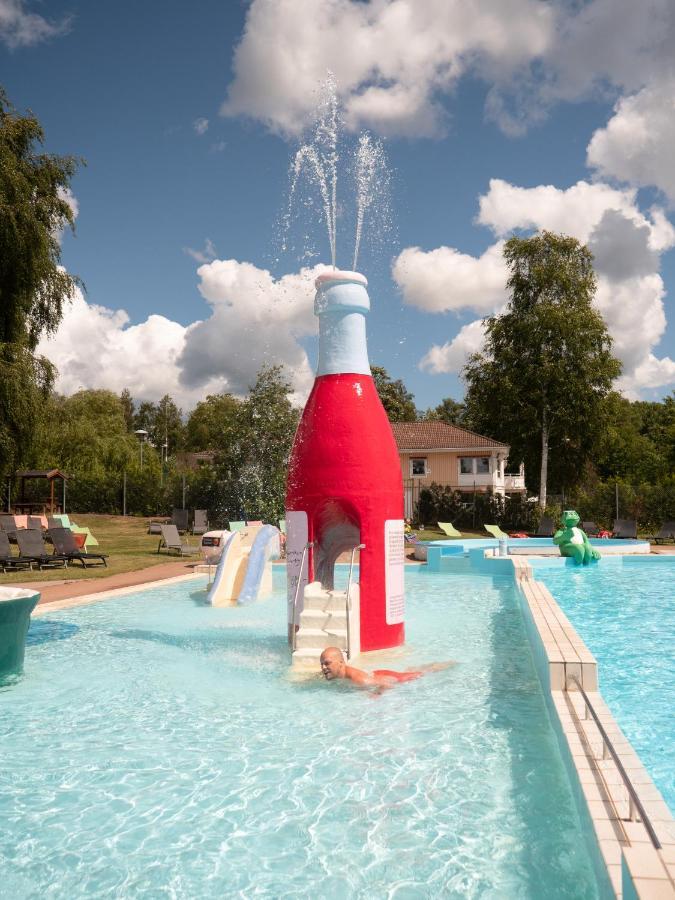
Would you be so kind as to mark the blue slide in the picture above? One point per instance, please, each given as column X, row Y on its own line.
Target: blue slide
column 265, row 547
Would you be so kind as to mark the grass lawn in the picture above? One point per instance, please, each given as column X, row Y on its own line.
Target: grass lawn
column 123, row 538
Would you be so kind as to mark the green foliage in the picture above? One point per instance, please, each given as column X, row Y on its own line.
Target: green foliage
column 448, row 410
column 546, row 367
column 33, row 287
column 253, row 471
column 398, row 402
column 212, row 423
column 438, row 503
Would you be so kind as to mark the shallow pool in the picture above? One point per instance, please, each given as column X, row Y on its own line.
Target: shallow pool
column 625, row 612
column 157, row 747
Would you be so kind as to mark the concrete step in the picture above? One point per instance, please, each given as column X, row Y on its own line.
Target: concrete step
column 307, row 660
column 327, row 601
column 320, row 619
column 317, row 639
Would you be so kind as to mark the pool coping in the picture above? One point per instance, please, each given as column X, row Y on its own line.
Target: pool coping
column 636, row 869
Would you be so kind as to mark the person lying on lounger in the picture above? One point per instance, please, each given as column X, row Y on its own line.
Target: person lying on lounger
column 333, row 666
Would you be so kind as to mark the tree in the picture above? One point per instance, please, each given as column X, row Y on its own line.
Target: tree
column 128, row 406
column 546, row 364
column 448, row 410
column 33, row 286
column 398, row 402
column 212, row 422
column 255, row 464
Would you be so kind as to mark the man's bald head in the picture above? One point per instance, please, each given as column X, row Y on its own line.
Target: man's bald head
column 332, row 663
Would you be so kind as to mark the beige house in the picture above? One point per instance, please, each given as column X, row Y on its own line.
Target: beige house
column 454, row 457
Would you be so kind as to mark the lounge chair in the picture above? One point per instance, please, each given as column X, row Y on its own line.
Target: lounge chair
column 36, row 523
column 624, row 528
column 7, row 559
column 665, row 534
column 282, row 526
column 237, row 526
column 65, row 545
column 252, row 522
column 171, row 540
column 590, row 528
column 545, row 529
column 200, row 522
column 449, row 529
column 31, row 546
column 179, row 518
column 496, row 532
column 10, row 526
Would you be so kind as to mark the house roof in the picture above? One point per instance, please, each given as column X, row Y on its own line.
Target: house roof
column 42, row 473
column 440, row 436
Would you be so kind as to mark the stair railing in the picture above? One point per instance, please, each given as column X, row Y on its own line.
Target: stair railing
column 348, row 602
column 308, row 546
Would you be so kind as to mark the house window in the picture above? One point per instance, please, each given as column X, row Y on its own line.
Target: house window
column 466, row 465
column 482, row 465
column 418, row 467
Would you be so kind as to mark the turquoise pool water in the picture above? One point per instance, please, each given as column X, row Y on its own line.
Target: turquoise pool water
column 156, row 747
column 625, row 612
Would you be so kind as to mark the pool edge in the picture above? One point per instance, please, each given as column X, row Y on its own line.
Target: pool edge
column 633, row 868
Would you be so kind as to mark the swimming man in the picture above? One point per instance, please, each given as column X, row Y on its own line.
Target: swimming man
column 333, row 666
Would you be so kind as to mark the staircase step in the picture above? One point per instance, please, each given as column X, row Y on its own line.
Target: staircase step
column 327, row 600
column 317, row 638
column 307, row 660
column 321, row 619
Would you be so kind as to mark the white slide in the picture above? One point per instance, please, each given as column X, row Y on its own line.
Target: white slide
column 244, row 571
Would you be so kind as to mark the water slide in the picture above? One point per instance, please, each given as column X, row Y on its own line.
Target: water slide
column 244, row 572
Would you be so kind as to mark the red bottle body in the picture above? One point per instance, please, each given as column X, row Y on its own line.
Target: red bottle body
column 345, row 475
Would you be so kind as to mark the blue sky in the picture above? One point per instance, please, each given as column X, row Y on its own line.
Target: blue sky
column 519, row 116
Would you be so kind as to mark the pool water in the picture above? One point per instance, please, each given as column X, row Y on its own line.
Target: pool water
column 157, row 747
column 625, row 612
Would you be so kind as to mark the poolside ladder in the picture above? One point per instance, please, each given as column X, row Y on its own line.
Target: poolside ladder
column 308, row 546
column 634, row 802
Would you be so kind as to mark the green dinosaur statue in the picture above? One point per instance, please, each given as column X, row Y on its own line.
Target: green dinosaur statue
column 573, row 542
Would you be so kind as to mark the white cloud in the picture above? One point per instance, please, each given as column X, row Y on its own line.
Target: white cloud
column 637, row 143
column 627, row 245
column 19, row 28
column 451, row 356
column 393, row 59
column 445, row 279
column 201, row 125
column 208, row 254
column 255, row 320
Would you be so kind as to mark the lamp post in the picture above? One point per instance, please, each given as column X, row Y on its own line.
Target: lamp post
column 142, row 435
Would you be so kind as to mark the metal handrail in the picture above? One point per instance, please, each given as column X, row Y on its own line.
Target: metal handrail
column 347, row 600
column 307, row 547
column 607, row 746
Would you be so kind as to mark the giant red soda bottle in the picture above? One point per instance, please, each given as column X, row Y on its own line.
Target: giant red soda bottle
column 344, row 482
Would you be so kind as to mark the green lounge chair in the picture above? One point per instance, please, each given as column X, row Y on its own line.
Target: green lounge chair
column 237, row 526
column 449, row 529
column 496, row 532
column 282, row 526
column 64, row 519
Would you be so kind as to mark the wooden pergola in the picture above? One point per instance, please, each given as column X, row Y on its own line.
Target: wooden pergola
column 41, row 507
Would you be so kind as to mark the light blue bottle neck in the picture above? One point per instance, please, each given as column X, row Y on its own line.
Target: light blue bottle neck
column 342, row 306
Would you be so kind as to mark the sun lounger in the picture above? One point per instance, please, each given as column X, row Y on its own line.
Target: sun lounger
column 237, row 526
column 66, row 545
column 200, row 522
column 546, row 527
column 33, row 547
column 449, row 529
column 496, row 532
column 252, row 522
column 171, row 540
column 179, row 518
column 590, row 528
column 7, row 559
column 282, row 526
column 665, row 534
column 625, row 528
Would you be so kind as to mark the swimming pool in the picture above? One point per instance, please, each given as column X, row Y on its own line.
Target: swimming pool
column 624, row 610
column 157, row 747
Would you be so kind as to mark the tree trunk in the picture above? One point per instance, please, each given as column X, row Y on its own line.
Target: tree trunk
column 543, row 476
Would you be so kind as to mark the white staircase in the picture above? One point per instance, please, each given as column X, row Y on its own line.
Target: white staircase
column 323, row 623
